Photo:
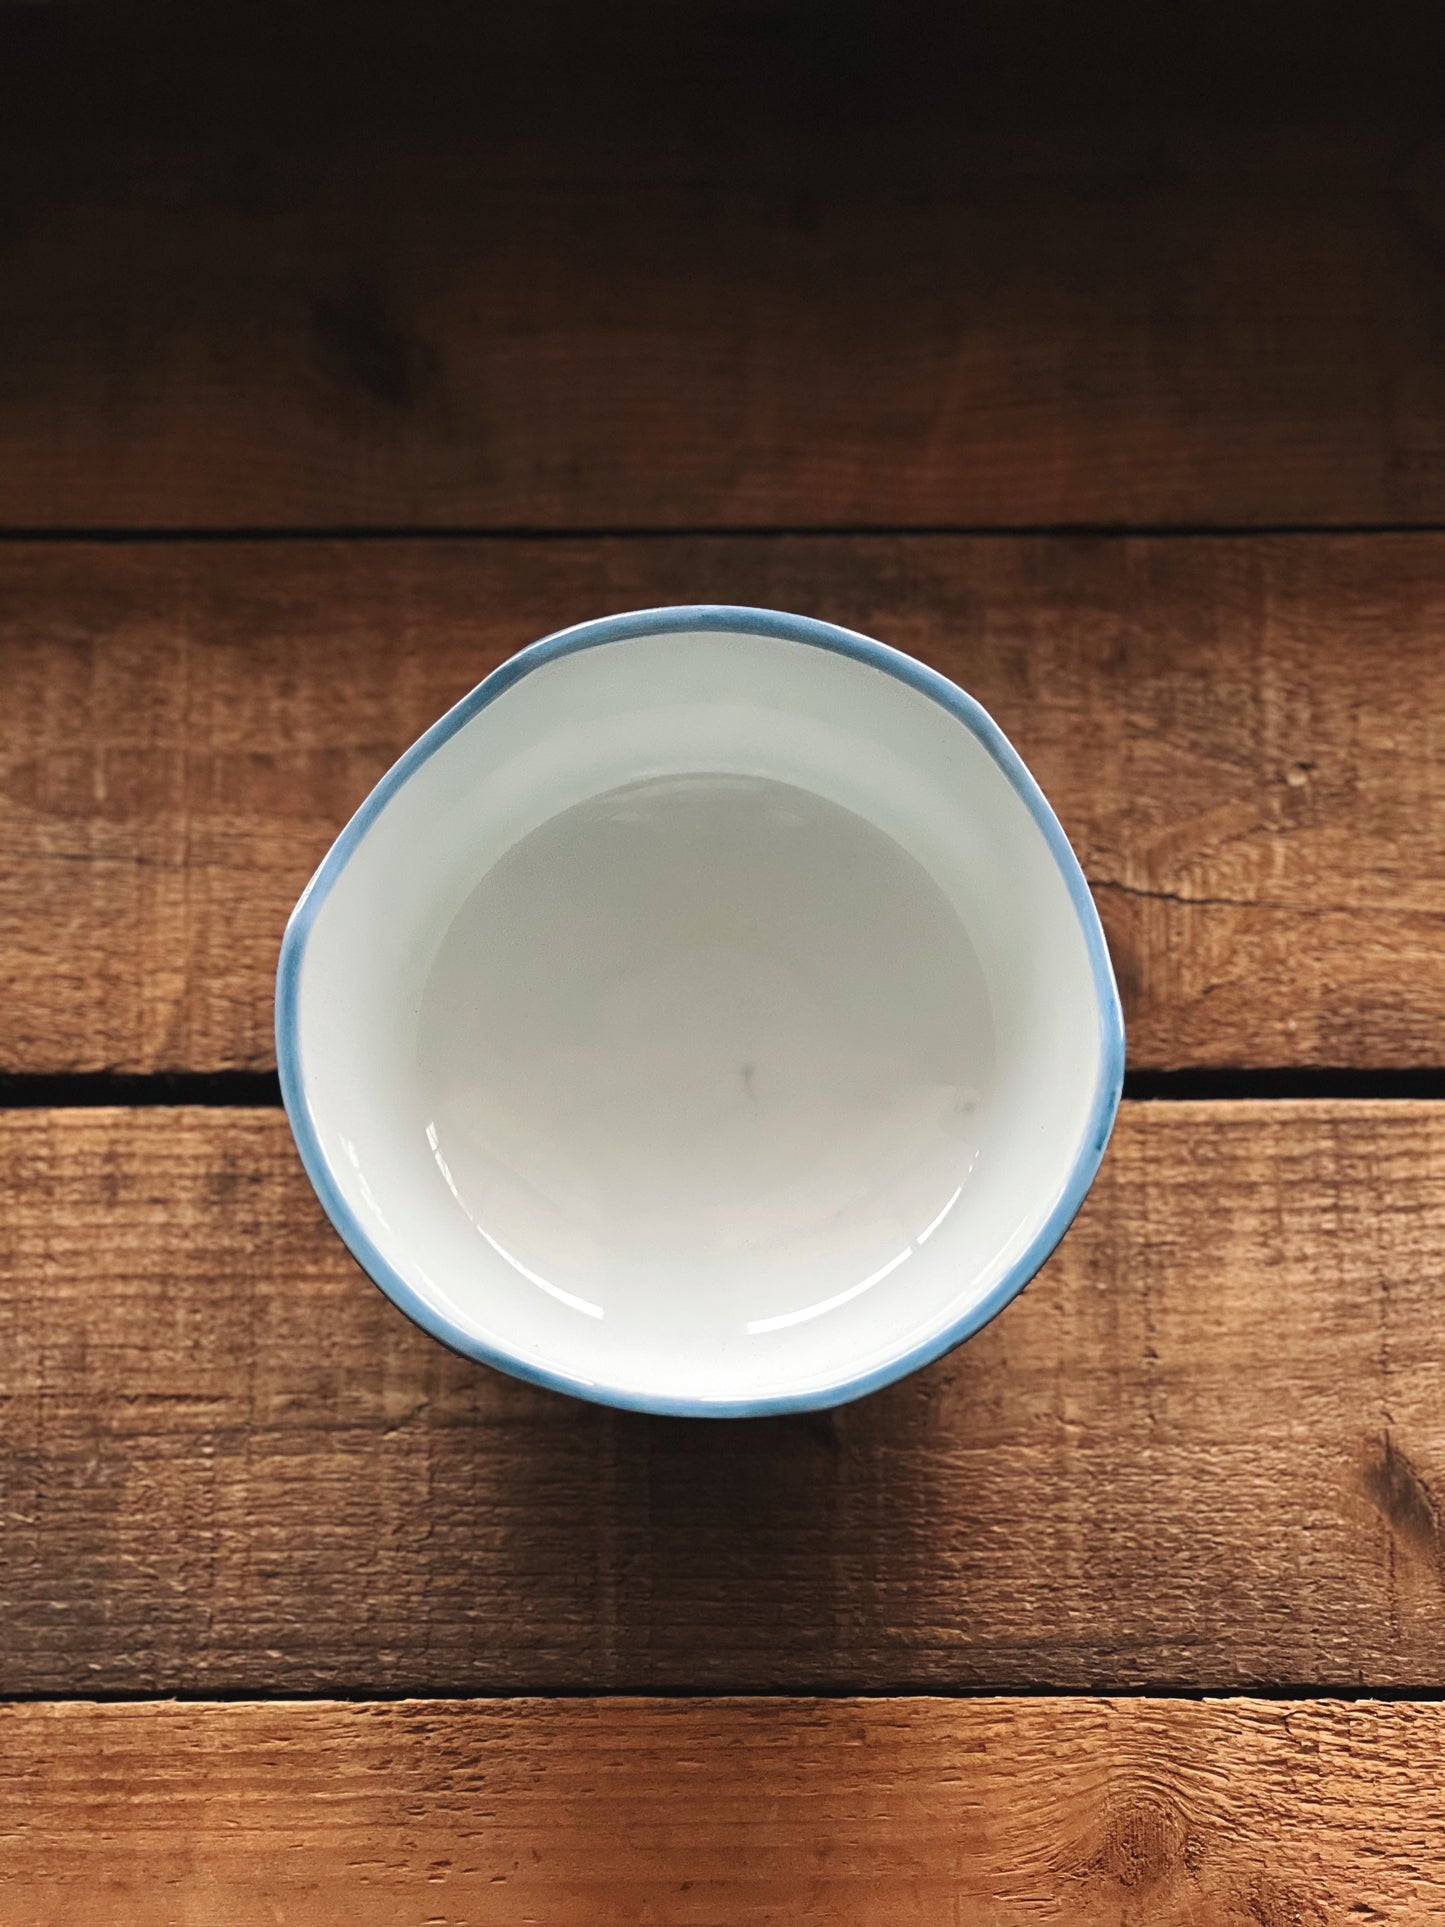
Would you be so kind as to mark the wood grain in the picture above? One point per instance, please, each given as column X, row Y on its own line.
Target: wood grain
column 734, row 266
column 1243, row 737
column 1205, row 1449
column 853, row 1812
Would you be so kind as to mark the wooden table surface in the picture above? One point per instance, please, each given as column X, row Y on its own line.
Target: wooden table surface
column 339, row 357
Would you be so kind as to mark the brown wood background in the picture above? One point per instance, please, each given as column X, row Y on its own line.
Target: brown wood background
column 615, row 1811
column 1097, row 356
column 186, row 726
column 1202, row 1450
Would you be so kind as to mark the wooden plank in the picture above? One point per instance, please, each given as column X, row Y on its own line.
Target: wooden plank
column 714, row 271
column 1205, row 1449
column 1242, row 737
column 1102, row 1813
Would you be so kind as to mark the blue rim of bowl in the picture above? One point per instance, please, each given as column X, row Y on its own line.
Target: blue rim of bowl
column 622, row 628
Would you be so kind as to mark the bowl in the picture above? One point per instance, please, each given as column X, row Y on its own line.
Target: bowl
column 707, row 1015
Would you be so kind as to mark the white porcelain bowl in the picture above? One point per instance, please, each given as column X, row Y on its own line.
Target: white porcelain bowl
column 707, row 1015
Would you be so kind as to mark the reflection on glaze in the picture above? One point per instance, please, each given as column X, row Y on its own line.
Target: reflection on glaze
column 535, row 1278
column 926, row 1234
column 368, row 1195
column 532, row 1277
column 755, row 1326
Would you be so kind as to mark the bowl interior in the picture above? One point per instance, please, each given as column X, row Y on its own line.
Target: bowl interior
column 706, row 1021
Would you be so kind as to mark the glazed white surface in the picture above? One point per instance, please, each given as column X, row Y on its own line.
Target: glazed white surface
column 708, row 1020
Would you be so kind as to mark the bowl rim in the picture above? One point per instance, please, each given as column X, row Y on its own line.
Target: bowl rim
column 742, row 620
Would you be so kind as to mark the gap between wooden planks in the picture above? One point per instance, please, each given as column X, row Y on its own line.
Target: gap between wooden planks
column 713, row 273
column 1205, row 1448
column 1241, row 736
column 850, row 1813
